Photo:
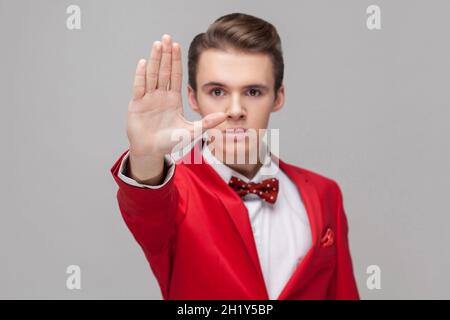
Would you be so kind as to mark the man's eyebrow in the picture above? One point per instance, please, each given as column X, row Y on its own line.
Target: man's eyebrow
column 219, row 84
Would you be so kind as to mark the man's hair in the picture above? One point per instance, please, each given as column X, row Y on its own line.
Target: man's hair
column 241, row 32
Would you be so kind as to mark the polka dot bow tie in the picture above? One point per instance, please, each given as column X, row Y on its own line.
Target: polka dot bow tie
column 266, row 189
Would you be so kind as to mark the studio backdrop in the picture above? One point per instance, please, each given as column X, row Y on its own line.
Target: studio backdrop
column 367, row 104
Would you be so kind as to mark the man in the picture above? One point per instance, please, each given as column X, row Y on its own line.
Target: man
column 219, row 228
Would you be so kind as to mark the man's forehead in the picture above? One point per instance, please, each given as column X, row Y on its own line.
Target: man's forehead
column 234, row 68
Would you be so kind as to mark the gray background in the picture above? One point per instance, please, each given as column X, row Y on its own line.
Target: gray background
column 369, row 109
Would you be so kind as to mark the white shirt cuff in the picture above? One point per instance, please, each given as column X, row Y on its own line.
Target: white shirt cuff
column 169, row 162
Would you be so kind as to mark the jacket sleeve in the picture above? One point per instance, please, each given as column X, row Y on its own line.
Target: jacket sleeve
column 343, row 285
column 149, row 213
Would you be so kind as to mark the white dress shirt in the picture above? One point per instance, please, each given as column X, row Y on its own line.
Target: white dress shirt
column 281, row 230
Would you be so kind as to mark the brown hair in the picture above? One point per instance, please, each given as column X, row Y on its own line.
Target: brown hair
column 240, row 32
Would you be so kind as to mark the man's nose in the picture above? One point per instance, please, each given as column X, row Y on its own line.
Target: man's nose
column 235, row 110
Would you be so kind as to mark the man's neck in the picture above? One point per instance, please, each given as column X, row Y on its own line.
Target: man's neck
column 248, row 170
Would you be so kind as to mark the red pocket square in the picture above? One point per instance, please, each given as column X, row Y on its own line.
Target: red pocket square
column 328, row 238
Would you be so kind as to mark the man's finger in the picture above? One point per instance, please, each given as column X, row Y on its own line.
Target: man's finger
column 153, row 67
column 177, row 69
column 208, row 122
column 166, row 63
column 139, row 80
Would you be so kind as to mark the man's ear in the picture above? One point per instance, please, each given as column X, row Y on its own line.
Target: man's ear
column 192, row 99
column 279, row 101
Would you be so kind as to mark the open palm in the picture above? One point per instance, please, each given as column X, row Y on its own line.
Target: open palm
column 155, row 112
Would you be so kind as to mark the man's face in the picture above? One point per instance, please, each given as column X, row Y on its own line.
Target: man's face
column 242, row 86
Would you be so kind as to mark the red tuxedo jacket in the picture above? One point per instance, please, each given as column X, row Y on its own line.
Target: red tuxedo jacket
column 196, row 234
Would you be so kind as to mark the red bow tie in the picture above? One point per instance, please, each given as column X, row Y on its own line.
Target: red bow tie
column 266, row 189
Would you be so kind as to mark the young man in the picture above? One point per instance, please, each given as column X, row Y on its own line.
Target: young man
column 219, row 228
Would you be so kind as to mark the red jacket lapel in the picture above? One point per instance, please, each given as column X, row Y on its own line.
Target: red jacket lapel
column 313, row 208
column 233, row 205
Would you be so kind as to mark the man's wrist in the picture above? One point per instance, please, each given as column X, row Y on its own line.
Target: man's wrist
column 148, row 170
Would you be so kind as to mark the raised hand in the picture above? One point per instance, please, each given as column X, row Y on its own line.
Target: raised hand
column 156, row 109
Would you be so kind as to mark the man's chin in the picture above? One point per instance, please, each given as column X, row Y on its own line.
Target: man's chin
column 240, row 151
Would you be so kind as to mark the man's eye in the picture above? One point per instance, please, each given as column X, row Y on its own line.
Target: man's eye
column 254, row 92
column 216, row 92
column 220, row 92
